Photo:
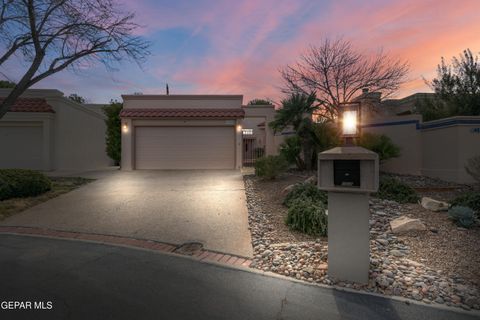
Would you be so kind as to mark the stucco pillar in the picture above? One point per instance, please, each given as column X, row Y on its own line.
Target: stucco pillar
column 127, row 144
column 238, row 143
column 269, row 137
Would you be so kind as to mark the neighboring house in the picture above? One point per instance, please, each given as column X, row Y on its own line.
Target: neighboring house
column 192, row 131
column 46, row 131
column 374, row 107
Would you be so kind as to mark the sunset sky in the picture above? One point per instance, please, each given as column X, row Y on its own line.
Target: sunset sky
column 238, row 46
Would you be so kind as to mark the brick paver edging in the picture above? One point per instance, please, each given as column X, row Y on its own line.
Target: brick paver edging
column 202, row 254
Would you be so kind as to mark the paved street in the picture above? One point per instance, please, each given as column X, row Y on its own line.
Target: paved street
column 206, row 206
column 92, row 281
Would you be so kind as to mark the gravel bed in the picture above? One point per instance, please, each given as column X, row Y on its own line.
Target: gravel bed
column 395, row 269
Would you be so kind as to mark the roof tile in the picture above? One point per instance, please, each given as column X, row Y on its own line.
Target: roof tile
column 183, row 113
column 30, row 105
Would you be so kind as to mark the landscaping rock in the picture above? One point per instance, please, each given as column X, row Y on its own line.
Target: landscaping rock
column 405, row 224
column 287, row 189
column 434, row 205
column 312, row 180
column 394, row 270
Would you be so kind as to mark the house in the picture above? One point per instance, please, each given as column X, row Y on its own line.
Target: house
column 193, row 131
column 46, row 131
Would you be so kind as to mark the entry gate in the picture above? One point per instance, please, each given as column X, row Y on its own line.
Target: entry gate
column 251, row 152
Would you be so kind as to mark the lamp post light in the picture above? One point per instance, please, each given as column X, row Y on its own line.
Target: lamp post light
column 349, row 173
column 350, row 120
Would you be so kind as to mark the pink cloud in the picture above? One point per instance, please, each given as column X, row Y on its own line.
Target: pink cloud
column 243, row 58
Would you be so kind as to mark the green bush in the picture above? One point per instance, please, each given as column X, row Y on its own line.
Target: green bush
column 393, row 189
column 270, row 167
column 20, row 183
column 470, row 200
column 290, row 149
column 306, row 191
column 113, row 134
column 308, row 216
column 380, row 144
column 462, row 216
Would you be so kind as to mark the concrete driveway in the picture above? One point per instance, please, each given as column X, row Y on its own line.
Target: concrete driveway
column 207, row 206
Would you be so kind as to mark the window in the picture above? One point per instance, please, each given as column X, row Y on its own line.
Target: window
column 247, row 132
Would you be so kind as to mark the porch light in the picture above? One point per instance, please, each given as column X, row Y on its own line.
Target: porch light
column 125, row 127
column 239, row 128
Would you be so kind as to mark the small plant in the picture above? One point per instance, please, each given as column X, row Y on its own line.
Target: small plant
column 470, row 200
column 20, row 183
column 306, row 191
column 270, row 167
column 308, row 216
column 462, row 216
column 380, row 144
column 393, row 189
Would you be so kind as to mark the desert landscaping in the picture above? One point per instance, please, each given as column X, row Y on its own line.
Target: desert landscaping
column 415, row 253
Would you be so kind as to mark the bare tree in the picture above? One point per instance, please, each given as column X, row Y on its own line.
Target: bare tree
column 337, row 73
column 52, row 35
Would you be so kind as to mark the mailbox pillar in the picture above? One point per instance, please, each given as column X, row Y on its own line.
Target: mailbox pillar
column 349, row 174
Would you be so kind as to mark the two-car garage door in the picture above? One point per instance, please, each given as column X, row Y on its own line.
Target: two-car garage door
column 185, row 147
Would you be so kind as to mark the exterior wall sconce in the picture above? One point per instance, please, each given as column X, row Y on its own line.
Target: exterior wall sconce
column 239, row 128
column 125, row 128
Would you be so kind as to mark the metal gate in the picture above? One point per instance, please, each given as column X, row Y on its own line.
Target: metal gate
column 251, row 152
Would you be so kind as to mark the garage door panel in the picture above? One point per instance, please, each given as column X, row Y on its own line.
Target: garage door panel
column 185, row 148
column 22, row 147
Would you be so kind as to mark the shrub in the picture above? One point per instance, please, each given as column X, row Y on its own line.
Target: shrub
column 308, row 216
column 270, row 167
column 462, row 216
column 306, row 191
column 470, row 200
column 113, row 134
column 473, row 168
column 380, row 144
column 393, row 189
column 290, row 149
column 19, row 183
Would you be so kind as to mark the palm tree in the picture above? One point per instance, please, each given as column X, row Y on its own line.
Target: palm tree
column 297, row 111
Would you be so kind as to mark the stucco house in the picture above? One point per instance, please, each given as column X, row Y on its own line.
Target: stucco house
column 46, row 131
column 192, row 131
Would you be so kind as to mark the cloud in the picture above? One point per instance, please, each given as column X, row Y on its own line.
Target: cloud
column 238, row 46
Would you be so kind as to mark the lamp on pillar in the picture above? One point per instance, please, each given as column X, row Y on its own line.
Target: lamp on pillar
column 350, row 119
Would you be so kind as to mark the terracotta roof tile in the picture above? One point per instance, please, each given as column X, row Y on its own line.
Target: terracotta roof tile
column 30, row 105
column 183, row 113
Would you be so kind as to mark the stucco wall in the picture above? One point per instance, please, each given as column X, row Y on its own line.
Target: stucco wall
column 447, row 147
column 403, row 132
column 79, row 137
column 182, row 101
column 265, row 113
column 438, row 149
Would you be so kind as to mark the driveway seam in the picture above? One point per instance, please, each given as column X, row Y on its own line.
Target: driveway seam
column 203, row 255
